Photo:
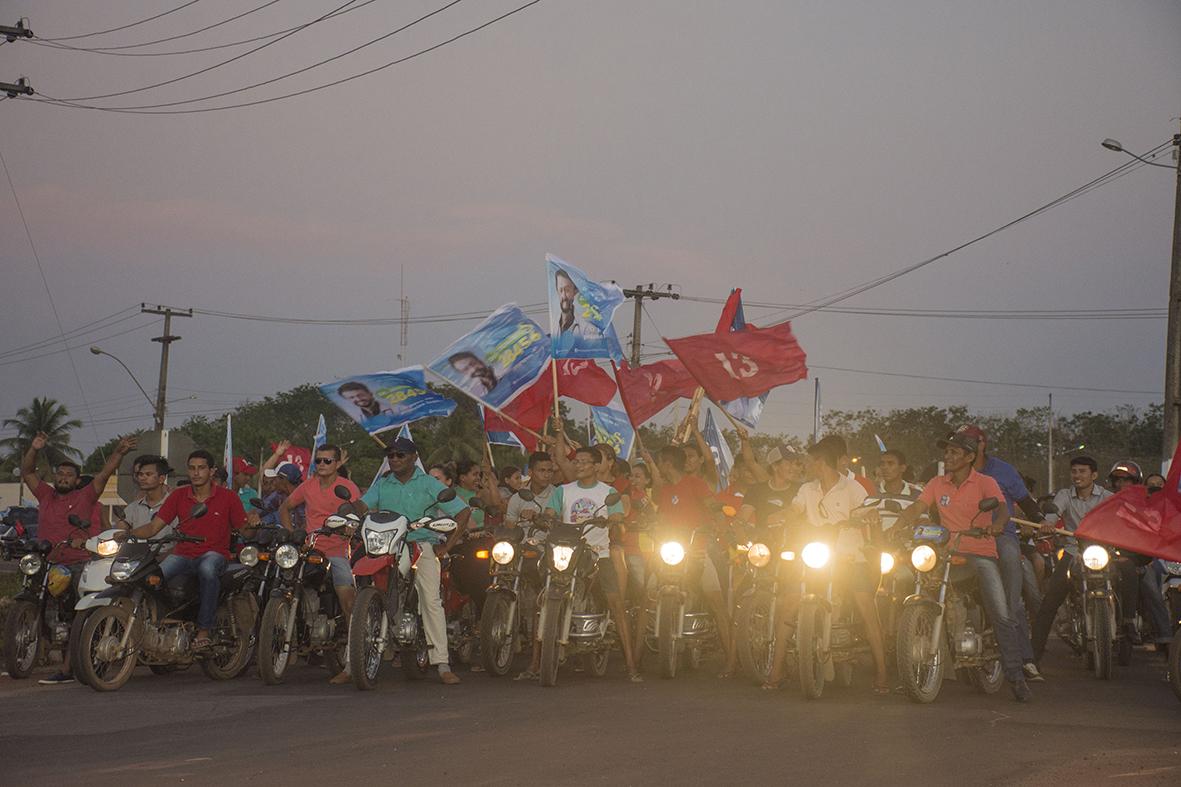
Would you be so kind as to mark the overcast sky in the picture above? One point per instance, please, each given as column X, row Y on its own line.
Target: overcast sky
column 793, row 149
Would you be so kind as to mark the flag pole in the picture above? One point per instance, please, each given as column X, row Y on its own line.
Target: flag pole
column 553, row 365
column 496, row 410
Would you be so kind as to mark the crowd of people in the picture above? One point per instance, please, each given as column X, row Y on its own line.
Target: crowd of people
column 679, row 485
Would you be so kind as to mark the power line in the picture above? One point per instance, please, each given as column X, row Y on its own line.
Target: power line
column 874, row 283
column 67, row 349
column 207, row 69
column 58, row 102
column 530, row 308
column 90, row 327
column 983, row 382
column 1098, row 313
column 124, row 27
column 108, row 50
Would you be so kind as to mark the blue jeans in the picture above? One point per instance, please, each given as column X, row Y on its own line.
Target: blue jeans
column 1013, row 576
column 992, row 592
column 1153, row 602
column 208, row 568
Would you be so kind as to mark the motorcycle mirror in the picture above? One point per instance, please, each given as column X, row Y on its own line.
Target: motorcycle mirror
column 342, row 492
column 198, row 511
column 1049, row 508
column 612, row 499
column 77, row 522
column 526, row 494
column 445, row 495
column 475, row 503
column 989, row 504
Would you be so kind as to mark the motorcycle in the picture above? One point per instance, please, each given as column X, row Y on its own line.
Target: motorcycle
column 511, row 598
column 829, row 639
column 946, row 622
column 756, row 613
column 385, row 615
column 303, row 616
column 103, row 548
column 142, row 618
column 43, row 611
column 573, row 621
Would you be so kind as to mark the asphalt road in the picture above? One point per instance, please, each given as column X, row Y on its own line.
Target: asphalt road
column 697, row 729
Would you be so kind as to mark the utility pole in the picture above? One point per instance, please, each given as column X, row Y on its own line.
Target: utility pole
column 1172, row 426
column 639, row 293
column 19, row 88
column 1050, row 447
column 20, row 30
column 167, row 312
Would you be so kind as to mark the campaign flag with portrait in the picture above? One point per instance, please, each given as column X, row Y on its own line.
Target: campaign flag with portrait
column 580, row 312
column 611, row 426
column 498, row 359
column 386, row 400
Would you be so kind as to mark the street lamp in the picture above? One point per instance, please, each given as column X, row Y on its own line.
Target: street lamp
column 1172, row 425
column 99, row 351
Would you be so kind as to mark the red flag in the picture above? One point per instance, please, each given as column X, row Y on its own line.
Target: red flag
column 742, row 363
column 584, row 381
column 493, row 422
column 300, row 457
column 648, row 389
column 729, row 311
column 1143, row 523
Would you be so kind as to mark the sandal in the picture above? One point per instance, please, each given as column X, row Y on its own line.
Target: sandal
column 636, row 677
column 772, row 685
column 202, row 643
column 528, row 675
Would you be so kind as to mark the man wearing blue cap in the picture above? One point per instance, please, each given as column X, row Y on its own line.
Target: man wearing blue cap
column 412, row 493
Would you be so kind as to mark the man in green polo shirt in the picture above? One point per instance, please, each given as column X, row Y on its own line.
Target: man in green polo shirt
column 414, row 494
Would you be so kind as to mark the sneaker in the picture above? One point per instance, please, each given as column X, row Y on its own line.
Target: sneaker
column 58, row 679
column 1032, row 674
column 1021, row 691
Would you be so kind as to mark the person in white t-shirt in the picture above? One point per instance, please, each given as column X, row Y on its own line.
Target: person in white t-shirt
column 831, row 499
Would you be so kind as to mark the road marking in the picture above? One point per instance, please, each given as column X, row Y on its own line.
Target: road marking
column 1148, row 772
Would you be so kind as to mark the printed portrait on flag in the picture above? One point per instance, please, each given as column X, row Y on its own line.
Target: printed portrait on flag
column 498, row 359
column 580, row 313
column 382, row 401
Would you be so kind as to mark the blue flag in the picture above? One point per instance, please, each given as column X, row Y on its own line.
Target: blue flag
column 580, row 312
column 386, row 400
column 321, row 435
column 502, row 438
column 385, row 462
column 612, row 426
column 723, row 459
column 498, row 359
column 746, row 410
column 227, row 456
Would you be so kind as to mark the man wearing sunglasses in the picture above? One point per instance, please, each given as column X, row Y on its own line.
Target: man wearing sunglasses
column 318, row 496
column 412, row 493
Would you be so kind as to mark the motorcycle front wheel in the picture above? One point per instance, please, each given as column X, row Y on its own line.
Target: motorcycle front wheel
column 1101, row 641
column 988, row 680
column 22, row 639
column 275, row 641
column 72, row 649
column 103, row 667
column 756, row 640
column 553, row 615
column 498, row 627
column 666, row 643
column 230, row 654
column 919, row 666
column 810, row 649
column 365, row 646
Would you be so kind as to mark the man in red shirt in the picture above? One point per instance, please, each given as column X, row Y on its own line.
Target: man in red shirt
column 56, row 503
column 318, row 495
column 957, row 497
column 223, row 513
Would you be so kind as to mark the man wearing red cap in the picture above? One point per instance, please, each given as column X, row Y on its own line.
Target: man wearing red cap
column 1008, row 545
column 243, row 472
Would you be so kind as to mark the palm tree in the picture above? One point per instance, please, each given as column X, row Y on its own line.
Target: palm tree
column 458, row 436
column 43, row 415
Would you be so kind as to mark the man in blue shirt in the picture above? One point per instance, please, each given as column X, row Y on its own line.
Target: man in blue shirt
column 409, row 491
column 1008, row 545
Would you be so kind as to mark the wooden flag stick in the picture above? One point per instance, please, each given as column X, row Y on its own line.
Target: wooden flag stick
column 1027, row 523
column 496, row 410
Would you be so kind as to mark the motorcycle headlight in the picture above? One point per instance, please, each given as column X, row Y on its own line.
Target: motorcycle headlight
column 121, row 570
column 816, row 555
column 759, row 555
column 561, row 557
column 923, row 558
column 887, row 563
column 107, row 547
column 30, row 565
column 287, row 556
column 248, row 556
column 1095, row 557
column 503, row 552
column 787, row 554
column 378, row 542
column 672, row 553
